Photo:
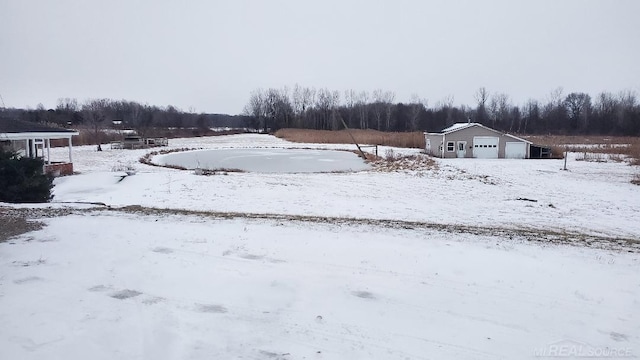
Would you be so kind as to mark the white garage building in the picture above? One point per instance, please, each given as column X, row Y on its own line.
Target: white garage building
column 473, row 140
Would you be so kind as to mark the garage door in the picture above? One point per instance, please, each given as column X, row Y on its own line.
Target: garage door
column 485, row 147
column 515, row 150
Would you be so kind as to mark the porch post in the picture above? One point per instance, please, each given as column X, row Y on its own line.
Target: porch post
column 48, row 145
column 70, row 146
column 33, row 148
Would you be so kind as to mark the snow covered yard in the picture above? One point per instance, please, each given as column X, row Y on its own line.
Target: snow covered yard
column 593, row 198
column 113, row 283
column 121, row 286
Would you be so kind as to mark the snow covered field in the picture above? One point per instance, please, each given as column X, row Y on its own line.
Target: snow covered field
column 594, row 198
column 115, row 284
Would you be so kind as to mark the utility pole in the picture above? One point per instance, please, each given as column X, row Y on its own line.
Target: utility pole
column 352, row 138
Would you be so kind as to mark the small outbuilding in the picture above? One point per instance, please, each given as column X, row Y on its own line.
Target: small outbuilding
column 474, row 140
column 34, row 140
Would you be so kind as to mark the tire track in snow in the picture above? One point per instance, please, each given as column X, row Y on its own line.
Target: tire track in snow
column 544, row 236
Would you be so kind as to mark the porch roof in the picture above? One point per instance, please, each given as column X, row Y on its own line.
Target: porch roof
column 12, row 129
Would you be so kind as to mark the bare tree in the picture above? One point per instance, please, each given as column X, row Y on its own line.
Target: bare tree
column 481, row 96
column 532, row 114
column 324, row 104
column 297, row 103
column 388, row 98
column 377, row 107
column 67, row 105
column 381, row 108
column 579, row 108
column 277, row 108
column 256, row 108
column 503, row 111
column 335, row 114
column 446, row 104
column 416, row 107
column 308, row 99
column 556, row 97
column 361, row 104
column 350, row 99
column 627, row 112
column 554, row 113
column 95, row 116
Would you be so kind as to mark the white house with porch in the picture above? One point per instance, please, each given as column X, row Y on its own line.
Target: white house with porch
column 34, row 140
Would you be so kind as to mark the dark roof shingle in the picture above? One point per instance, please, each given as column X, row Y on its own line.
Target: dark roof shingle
column 20, row 126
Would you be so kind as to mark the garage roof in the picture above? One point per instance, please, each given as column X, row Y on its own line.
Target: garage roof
column 460, row 126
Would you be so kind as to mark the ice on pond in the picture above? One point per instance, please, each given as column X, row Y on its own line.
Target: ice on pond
column 266, row 160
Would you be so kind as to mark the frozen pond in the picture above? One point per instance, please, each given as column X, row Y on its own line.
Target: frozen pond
column 266, row 160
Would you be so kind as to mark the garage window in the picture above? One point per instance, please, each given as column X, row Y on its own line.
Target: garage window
column 450, row 146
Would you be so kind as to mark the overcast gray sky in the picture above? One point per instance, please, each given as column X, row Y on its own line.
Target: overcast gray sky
column 209, row 55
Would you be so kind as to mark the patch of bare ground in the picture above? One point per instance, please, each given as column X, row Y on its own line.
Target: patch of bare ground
column 369, row 137
column 16, row 225
column 17, row 221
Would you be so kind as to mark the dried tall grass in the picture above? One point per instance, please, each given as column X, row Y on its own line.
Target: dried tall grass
column 633, row 151
column 613, row 146
column 363, row 137
column 86, row 136
column 579, row 139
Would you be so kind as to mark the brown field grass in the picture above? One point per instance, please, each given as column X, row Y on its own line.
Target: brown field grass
column 616, row 147
column 579, row 139
column 86, row 136
column 363, row 137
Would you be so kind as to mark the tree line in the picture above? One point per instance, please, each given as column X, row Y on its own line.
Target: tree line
column 311, row 108
column 570, row 114
column 147, row 120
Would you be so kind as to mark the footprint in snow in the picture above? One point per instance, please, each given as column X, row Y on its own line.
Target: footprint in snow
column 98, row 288
column 28, row 280
column 618, row 336
column 125, row 294
column 162, row 250
column 211, row 308
column 152, row 300
column 363, row 294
